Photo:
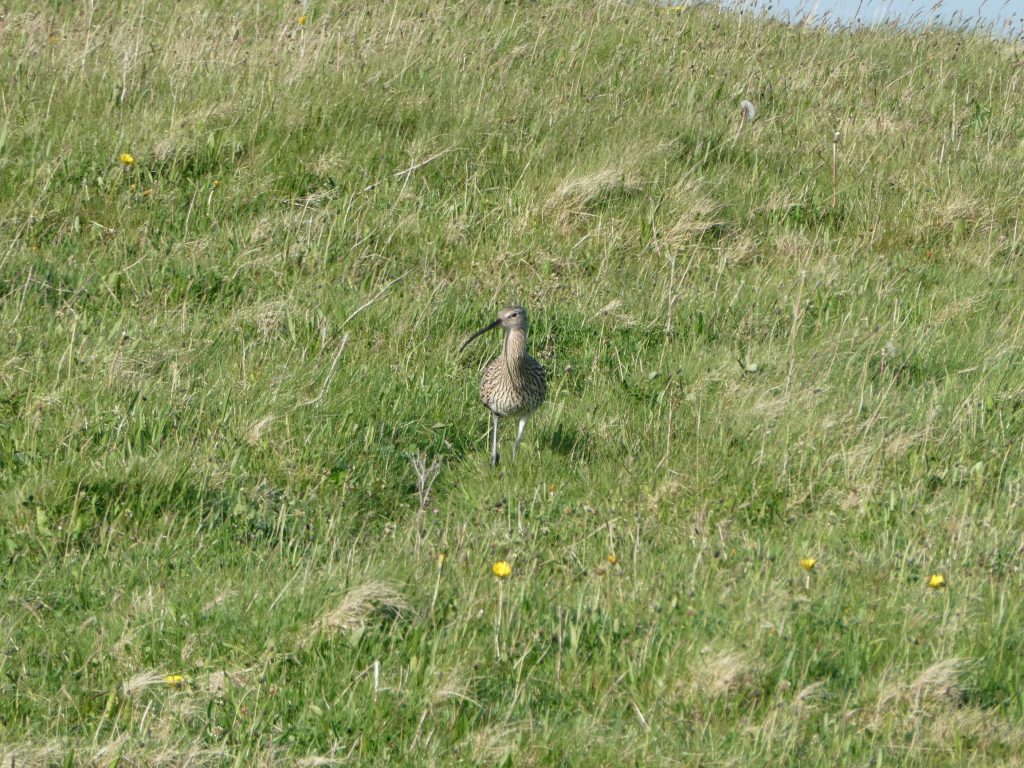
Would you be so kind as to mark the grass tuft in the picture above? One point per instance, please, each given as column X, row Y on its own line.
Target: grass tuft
column 363, row 605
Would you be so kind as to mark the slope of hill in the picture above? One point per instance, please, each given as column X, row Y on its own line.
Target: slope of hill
column 247, row 516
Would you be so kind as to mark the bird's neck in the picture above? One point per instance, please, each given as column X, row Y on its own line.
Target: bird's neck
column 514, row 351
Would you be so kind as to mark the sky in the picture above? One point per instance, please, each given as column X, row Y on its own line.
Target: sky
column 996, row 12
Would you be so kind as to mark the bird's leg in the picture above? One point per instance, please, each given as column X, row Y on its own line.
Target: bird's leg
column 519, row 437
column 494, row 443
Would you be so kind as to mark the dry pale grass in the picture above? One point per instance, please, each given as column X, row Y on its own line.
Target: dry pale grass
column 316, row 198
column 981, row 252
column 266, row 318
column 961, row 208
column 957, row 210
column 939, row 683
column 861, row 459
column 181, row 702
column 453, row 685
column 494, row 744
column 331, row 161
column 147, row 602
column 312, row 761
column 616, row 312
column 374, row 601
column 143, row 680
column 880, row 124
column 720, row 376
column 985, row 729
column 811, row 696
column 121, row 367
column 931, row 710
column 218, row 599
column 739, row 250
column 125, row 751
column 254, row 434
column 728, row 674
column 261, row 229
column 302, row 224
column 184, row 136
column 785, row 718
column 577, row 198
column 217, row 683
column 936, row 686
column 773, row 404
column 793, row 247
column 957, row 310
column 779, row 201
column 32, row 755
column 700, row 216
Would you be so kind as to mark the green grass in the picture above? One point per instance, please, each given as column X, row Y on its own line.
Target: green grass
column 222, row 361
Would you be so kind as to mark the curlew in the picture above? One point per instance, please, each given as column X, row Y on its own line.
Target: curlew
column 513, row 384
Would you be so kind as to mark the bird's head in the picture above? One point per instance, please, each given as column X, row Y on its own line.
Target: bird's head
column 508, row 318
column 512, row 317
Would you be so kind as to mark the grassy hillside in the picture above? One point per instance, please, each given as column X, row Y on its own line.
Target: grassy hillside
column 246, row 515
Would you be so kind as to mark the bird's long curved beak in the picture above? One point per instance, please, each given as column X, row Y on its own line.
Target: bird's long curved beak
column 483, row 330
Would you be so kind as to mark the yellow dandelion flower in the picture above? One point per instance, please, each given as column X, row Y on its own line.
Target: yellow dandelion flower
column 127, row 159
column 937, row 581
column 807, row 563
column 501, row 569
column 216, row 182
column 174, row 679
column 302, row 21
column 440, row 559
column 612, row 559
column 132, row 187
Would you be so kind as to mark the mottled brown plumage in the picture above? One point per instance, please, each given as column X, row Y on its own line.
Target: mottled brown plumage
column 513, row 384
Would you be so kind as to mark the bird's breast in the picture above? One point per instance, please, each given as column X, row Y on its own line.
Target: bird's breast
column 513, row 388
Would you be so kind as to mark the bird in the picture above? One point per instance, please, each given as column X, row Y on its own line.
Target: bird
column 513, row 384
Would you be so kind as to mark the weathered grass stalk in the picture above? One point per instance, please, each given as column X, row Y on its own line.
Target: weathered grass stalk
column 835, row 161
column 497, row 620
column 798, row 311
